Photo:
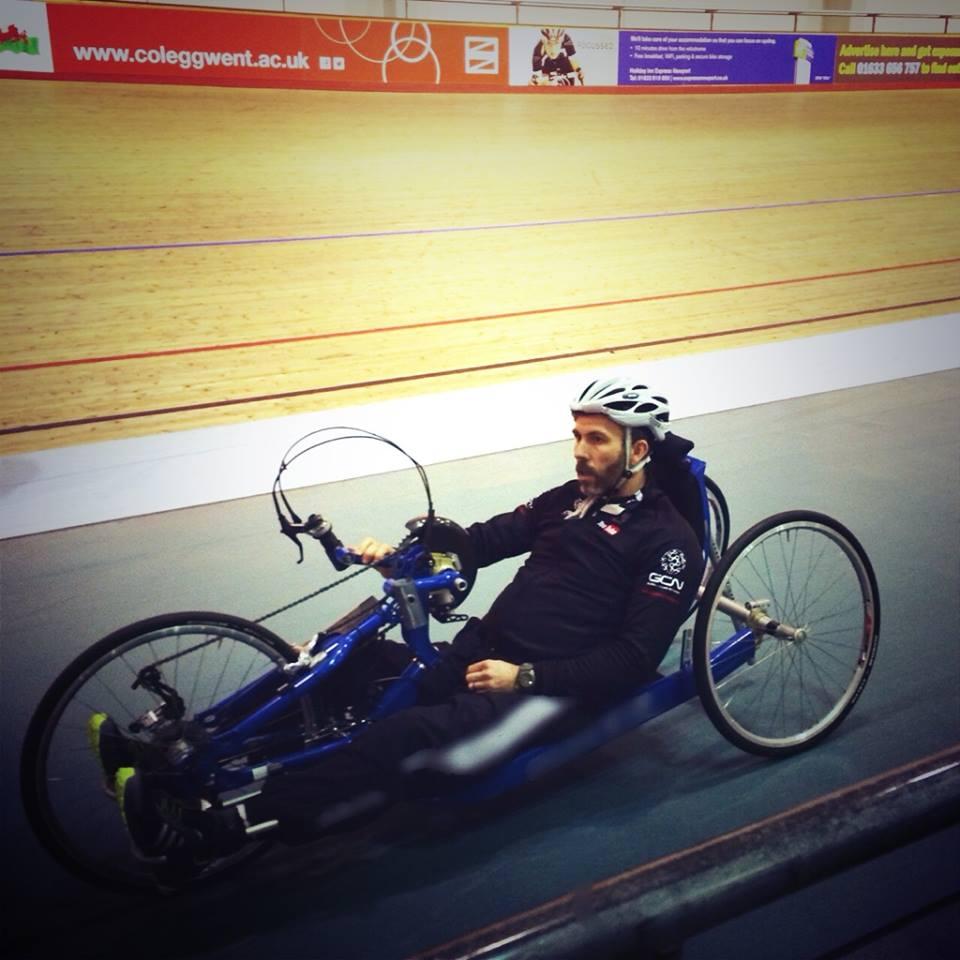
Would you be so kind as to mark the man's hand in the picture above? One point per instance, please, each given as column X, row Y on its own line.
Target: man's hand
column 492, row 676
column 372, row 551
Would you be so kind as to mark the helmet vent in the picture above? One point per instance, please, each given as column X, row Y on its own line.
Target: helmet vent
column 587, row 391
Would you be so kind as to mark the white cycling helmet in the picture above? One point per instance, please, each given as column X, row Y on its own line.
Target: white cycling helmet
column 625, row 402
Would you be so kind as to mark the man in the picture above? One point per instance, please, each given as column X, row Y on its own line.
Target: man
column 589, row 616
column 555, row 60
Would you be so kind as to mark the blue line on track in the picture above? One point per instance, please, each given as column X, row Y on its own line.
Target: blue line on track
column 426, row 231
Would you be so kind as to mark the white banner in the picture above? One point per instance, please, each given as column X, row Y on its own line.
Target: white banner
column 563, row 56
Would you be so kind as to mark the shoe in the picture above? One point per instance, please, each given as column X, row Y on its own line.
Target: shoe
column 180, row 840
column 161, row 827
column 111, row 748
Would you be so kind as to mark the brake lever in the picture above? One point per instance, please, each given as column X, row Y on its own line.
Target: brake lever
column 291, row 531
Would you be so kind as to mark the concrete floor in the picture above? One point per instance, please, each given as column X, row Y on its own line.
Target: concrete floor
column 884, row 459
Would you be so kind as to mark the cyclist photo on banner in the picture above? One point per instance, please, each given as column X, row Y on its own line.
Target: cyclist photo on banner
column 554, row 60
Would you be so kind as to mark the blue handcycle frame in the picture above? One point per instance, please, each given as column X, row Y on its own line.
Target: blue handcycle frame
column 407, row 602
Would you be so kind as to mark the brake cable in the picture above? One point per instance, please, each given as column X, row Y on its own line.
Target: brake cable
column 288, row 517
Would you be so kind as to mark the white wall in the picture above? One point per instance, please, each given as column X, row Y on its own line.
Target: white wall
column 842, row 14
column 71, row 486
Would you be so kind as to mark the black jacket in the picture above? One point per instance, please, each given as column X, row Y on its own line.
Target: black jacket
column 598, row 601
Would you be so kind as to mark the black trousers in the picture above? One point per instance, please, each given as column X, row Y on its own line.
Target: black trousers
column 367, row 774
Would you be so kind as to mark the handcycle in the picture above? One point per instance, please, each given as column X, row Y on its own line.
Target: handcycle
column 784, row 638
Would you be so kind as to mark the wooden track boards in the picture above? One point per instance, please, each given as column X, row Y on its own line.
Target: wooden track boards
column 301, row 250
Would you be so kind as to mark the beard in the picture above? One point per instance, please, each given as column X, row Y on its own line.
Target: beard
column 593, row 482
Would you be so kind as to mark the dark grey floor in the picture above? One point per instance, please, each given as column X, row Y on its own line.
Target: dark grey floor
column 930, row 934
column 884, row 459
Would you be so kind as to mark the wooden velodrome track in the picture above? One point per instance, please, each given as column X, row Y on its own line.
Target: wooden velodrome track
column 175, row 257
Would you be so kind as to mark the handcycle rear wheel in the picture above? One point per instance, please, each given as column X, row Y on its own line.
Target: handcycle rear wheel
column 208, row 656
column 719, row 519
column 808, row 571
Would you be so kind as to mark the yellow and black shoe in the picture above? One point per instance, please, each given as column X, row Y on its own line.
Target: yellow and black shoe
column 179, row 839
column 111, row 748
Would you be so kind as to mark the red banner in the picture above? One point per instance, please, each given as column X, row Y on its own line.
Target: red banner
column 213, row 46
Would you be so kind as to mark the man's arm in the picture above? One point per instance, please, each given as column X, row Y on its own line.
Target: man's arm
column 502, row 536
column 571, row 51
column 507, row 534
column 538, row 58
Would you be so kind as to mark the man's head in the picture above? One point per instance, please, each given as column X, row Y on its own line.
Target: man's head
column 598, row 451
column 616, row 422
column 552, row 38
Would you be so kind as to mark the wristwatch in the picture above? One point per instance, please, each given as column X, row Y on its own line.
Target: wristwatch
column 526, row 678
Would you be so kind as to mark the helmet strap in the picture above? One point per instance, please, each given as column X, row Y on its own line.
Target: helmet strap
column 628, row 470
column 627, row 446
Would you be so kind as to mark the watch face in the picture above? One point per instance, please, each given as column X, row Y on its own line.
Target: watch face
column 525, row 678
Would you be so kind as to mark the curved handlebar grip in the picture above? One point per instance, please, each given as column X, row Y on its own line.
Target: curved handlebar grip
column 321, row 530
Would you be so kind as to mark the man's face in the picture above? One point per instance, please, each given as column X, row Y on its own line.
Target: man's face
column 597, row 452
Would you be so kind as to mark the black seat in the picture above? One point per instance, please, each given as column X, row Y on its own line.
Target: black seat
column 672, row 472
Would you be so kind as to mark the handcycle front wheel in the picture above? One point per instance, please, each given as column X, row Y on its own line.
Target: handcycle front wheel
column 777, row 691
column 205, row 657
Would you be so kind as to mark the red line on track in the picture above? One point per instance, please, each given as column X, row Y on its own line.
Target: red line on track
column 312, row 391
column 277, row 341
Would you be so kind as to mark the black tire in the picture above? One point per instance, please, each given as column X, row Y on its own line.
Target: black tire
column 60, row 778
column 792, row 692
column 719, row 518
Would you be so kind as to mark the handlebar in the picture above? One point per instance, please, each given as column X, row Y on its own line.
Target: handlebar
column 340, row 556
column 441, row 562
column 314, row 526
column 318, row 528
column 432, row 544
column 337, row 554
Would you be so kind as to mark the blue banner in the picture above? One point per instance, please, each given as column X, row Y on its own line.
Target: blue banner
column 676, row 59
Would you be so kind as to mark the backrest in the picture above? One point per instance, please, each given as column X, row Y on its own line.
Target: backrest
column 681, row 477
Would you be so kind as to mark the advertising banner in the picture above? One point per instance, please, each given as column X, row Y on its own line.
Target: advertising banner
column 24, row 37
column 175, row 45
column 563, row 57
column 240, row 48
column 656, row 58
column 898, row 59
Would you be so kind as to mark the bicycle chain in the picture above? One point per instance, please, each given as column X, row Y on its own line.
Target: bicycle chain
column 310, row 596
column 449, row 618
